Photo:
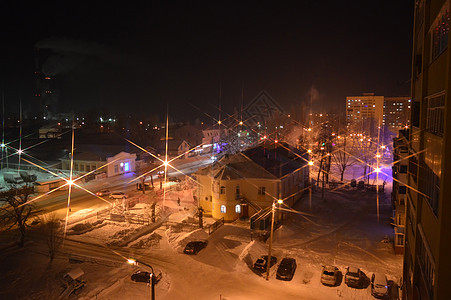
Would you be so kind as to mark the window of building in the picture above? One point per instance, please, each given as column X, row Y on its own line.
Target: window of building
column 427, row 266
column 261, row 190
column 238, row 209
column 222, row 190
column 237, row 192
column 400, row 239
column 402, row 190
column 403, row 169
column 223, row 209
column 435, row 114
column 430, row 188
column 116, row 168
column 439, row 32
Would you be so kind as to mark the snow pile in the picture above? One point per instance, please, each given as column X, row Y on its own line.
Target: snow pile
column 178, row 240
column 121, row 235
column 250, row 254
column 150, row 241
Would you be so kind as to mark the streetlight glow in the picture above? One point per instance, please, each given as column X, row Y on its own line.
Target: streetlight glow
column 310, row 163
column 280, row 201
column 377, row 170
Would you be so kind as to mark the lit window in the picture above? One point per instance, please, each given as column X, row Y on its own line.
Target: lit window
column 238, row 209
column 222, row 190
column 223, row 209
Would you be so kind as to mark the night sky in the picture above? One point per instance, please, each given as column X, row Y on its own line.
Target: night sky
column 140, row 56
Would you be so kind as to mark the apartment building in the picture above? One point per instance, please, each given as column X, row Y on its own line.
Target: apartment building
column 400, row 164
column 396, row 113
column 427, row 259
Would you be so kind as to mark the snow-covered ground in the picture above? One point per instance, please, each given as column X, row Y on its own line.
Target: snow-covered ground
column 340, row 228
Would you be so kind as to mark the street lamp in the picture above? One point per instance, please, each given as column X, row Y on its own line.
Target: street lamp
column 135, row 262
column 268, row 261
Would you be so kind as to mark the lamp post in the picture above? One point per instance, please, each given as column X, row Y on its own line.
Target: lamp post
column 268, row 261
column 151, row 275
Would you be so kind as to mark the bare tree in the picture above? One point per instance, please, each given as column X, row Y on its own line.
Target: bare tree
column 15, row 210
column 53, row 231
column 341, row 157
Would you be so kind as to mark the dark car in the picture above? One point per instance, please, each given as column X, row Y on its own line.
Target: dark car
column 286, row 269
column 261, row 263
column 141, row 276
column 103, row 193
column 195, row 247
column 353, row 277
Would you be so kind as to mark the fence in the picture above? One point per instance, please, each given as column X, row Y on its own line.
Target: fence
column 187, row 227
column 213, row 227
column 121, row 217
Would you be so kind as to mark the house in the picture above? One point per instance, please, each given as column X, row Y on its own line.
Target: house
column 112, row 165
column 243, row 184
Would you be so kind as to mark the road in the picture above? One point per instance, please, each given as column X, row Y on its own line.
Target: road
column 80, row 199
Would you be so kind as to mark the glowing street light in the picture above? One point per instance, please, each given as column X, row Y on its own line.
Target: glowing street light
column 310, row 163
column 309, row 151
column 377, row 170
column 135, row 262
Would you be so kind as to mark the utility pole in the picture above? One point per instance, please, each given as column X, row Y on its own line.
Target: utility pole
column 268, row 261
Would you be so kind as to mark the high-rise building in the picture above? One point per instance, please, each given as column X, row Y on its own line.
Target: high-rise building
column 367, row 112
column 396, row 113
column 364, row 113
column 427, row 253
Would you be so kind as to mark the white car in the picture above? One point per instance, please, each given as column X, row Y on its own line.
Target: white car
column 329, row 275
column 379, row 285
column 118, row 195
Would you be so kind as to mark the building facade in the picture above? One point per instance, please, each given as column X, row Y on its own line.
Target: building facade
column 367, row 112
column 85, row 162
column 364, row 113
column 427, row 258
column 400, row 164
column 246, row 183
column 396, row 113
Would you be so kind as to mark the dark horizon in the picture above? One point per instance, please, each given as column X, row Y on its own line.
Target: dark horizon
column 152, row 56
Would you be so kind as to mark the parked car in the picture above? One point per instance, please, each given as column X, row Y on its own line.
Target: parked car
column 286, row 269
column 353, row 183
column 329, row 275
column 261, row 263
column 194, row 247
column 118, row 195
column 361, row 185
column 103, row 193
column 141, row 276
column 379, row 285
column 353, row 277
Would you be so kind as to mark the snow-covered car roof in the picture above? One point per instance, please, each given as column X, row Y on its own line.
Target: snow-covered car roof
column 379, row 278
column 329, row 268
column 353, row 270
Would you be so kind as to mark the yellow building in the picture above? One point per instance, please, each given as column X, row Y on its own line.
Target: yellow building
column 427, row 259
column 243, row 184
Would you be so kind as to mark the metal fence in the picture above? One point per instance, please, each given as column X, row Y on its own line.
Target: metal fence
column 213, row 227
